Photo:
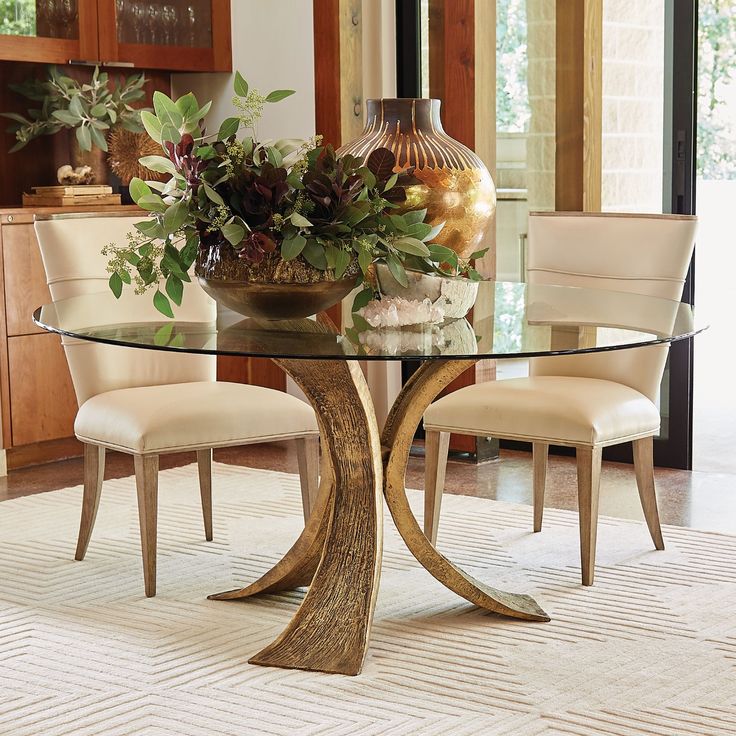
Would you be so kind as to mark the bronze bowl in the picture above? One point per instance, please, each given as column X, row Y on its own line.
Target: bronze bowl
column 277, row 301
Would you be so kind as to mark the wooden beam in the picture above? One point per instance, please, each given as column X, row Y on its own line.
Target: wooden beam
column 579, row 33
column 459, row 71
column 328, row 113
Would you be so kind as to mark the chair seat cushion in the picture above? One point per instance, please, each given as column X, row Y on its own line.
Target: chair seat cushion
column 191, row 415
column 556, row 409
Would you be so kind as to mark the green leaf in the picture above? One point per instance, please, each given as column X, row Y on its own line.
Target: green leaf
column 150, row 228
column 163, row 335
column 368, row 176
column 152, row 125
column 360, row 323
column 291, row 248
column 170, row 133
column 84, row 138
column 365, row 258
column 98, row 111
column 361, row 299
column 397, row 269
column 412, row 246
column 279, row 94
column 175, row 289
column 162, row 304
column 159, row 164
column 399, row 223
column 152, row 203
column 187, row 105
column 76, row 107
column 299, row 220
column 167, row 111
column 69, row 118
column 433, row 233
column 212, row 195
column 241, row 86
column 233, row 233
column 116, row 284
column 228, row 128
column 175, row 216
column 391, row 183
column 98, row 139
column 314, row 254
column 442, row 254
column 478, row 254
column 342, row 261
column 410, row 218
column 274, row 157
column 419, row 230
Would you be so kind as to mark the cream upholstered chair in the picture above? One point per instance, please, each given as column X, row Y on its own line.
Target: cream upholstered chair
column 582, row 401
column 147, row 402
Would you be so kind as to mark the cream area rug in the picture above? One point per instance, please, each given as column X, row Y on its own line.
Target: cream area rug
column 651, row 649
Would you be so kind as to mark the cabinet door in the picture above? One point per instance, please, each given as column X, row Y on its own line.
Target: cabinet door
column 42, row 401
column 50, row 31
column 25, row 279
column 181, row 35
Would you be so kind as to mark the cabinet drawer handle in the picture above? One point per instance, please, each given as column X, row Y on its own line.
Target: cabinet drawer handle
column 82, row 62
column 127, row 64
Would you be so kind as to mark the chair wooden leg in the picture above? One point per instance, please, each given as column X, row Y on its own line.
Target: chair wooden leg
column 94, row 472
column 307, row 455
column 146, row 478
column 436, row 447
column 540, row 452
column 589, row 481
column 644, row 467
column 204, row 465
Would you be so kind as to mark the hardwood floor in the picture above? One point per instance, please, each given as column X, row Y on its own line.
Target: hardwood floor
column 692, row 499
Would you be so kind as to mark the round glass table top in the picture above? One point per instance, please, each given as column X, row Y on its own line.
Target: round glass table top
column 508, row 320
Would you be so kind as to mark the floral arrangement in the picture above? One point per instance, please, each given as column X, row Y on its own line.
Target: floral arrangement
column 280, row 210
column 89, row 108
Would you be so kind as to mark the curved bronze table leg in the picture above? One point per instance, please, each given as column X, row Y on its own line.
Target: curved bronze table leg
column 329, row 632
column 405, row 415
column 296, row 569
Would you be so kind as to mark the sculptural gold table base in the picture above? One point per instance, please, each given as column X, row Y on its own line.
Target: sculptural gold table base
column 338, row 555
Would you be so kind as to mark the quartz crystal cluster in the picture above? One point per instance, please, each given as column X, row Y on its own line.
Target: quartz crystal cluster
column 395, row 311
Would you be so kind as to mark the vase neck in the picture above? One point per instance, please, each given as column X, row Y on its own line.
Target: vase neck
column 407, row 114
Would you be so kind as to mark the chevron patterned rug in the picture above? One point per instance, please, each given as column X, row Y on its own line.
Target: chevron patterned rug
column 651, row 649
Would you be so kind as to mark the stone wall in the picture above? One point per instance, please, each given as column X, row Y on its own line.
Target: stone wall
column 633, row 104
column 541, row 83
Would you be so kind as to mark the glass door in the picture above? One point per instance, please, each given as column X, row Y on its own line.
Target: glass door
column 53, row 31
column 186, row 35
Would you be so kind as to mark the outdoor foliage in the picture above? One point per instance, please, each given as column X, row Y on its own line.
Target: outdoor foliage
column 512, row 96
column 89, row 108
column 717, row 89
column 289, row 199
column 17, row 17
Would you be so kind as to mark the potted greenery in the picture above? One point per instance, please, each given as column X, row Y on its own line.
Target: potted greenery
column 90, row 109
column 277, row 229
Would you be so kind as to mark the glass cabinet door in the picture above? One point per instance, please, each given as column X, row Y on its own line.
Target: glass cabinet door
column 40, row 18
column 53, row 31
column 165, row 22
column 187, row 35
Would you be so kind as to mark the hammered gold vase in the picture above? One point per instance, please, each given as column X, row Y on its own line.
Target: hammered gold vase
column 455, row 185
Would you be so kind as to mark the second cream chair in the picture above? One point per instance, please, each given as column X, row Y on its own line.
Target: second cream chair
column 149, row 402
column 583, row 401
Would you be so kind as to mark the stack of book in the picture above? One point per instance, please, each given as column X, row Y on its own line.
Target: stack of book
column 71, row 196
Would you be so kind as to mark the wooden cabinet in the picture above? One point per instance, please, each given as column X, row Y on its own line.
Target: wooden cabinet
column 177, row 35
column 37, row 401
column 42, row 401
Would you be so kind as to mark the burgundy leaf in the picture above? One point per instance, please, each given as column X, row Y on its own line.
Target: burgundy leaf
column 381, row 163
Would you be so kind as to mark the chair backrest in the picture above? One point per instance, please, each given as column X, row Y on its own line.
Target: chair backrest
column 71, row 248
column 640, row 254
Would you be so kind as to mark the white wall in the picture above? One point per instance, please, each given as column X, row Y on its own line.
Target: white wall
column 273, row 48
